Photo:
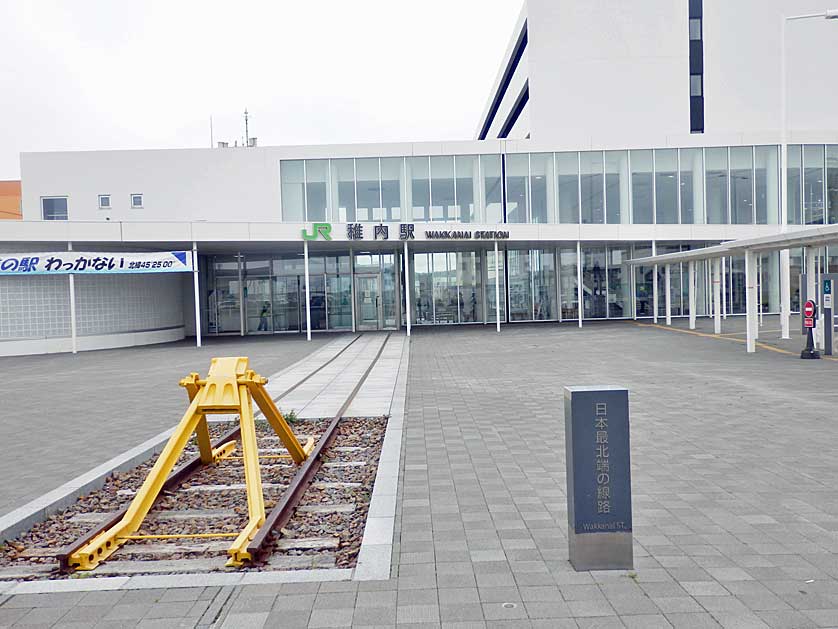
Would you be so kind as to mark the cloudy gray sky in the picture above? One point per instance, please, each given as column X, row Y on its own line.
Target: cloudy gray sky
column 96, row 74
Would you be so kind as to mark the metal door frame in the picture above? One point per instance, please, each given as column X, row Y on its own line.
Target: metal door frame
column 379, row 305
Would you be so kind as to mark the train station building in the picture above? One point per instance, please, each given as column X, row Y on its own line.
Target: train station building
column 611, row 132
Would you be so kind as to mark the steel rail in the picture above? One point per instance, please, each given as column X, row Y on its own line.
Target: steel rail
column 174, row 479
column 284, row 509
column 313, row 373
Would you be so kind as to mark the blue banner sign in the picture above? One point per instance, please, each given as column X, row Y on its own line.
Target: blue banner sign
column 64, row 262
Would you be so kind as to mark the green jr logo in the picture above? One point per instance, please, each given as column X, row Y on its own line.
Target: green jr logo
column 318, row 229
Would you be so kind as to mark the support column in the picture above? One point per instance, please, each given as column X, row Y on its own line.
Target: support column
column 691, row 279
column 308, row 292
column 785, row 292
column 580, row 292
column 352, row 287
column 654, row 286
column 497, row 286
column 667, row 295
column 724, row 288
column 72, row 288
column 197, row 294
column 751, row 300
column 717, row 296
column 406, row 288
column 242, row 295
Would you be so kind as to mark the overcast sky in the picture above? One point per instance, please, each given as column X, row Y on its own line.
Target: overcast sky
column 149, row 74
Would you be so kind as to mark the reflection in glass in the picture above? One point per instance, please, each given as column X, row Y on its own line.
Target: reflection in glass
column 470, row 283
column 258, row 317
column 392, row 185
column 767, row 185
column 832, row 186
column 343, row 190
column 442, row 189
column 569, row 283
column 741, row 185
column 293, row 191
column 368, row 189
column 813, row 208
column 594, row 293
column 339, row 301
column 567, row 165
column 692, row 186
column 617, row 187
column 793, row 184
column 520, row 285
column 517, row 176
column 619, row 284
column 643, row 287
column 716, row 165
column 468, row 188
column 491, row 310
column 666, row 186
column 286, row 303
column 490, row 167
column 590, row 178
column 641, row 187
column 542, row 201
column 543, row 264
column 316, row 189
column 446, row 302
column 420, row 188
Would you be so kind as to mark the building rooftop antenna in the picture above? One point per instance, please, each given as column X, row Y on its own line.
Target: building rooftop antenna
column 246, row 130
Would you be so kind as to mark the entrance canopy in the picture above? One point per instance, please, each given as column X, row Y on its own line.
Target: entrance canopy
column 811, row 239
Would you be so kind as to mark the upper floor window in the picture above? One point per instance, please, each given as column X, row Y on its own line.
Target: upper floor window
column 136, row 201
column 695, row 28
column 54, row 208
column 104, row 201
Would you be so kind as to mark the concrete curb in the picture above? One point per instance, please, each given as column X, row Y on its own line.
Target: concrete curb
column 16, row 522
column 376, row 554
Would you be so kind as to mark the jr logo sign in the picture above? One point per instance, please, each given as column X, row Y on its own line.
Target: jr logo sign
column 318, row 229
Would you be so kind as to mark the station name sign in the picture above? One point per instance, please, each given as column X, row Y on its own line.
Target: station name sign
column 466, row 235
column 405, row 231
column 65, row 262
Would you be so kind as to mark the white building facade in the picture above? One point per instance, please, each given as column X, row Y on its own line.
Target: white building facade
column 612, row 132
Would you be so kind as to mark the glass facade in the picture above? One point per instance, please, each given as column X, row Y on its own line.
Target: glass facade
column 265, row 294
column 714, row 185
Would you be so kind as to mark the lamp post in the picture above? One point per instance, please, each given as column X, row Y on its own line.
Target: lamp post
column 785, row 295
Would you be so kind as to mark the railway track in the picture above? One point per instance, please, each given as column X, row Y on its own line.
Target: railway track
column 315, row 511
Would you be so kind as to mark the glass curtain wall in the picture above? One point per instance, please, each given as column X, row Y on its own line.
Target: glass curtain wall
column 643, row 210
column 666, row 186
column 741, row 185
column 517, row 188
column 794, row 184
column 715, row 185
column 594, row 283
column 832, row 186
column 715, row 160
column 591, row 180
column 813, row 184
column 273, row 290
column 448, row 287
column 569, row 279
column 567, row 165
column 532, row 284
column 617, row 187
column 692, row 188
column 495, row 276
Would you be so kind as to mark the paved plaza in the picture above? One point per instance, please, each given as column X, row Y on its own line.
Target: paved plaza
column 63, row 415
column 734, row 475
